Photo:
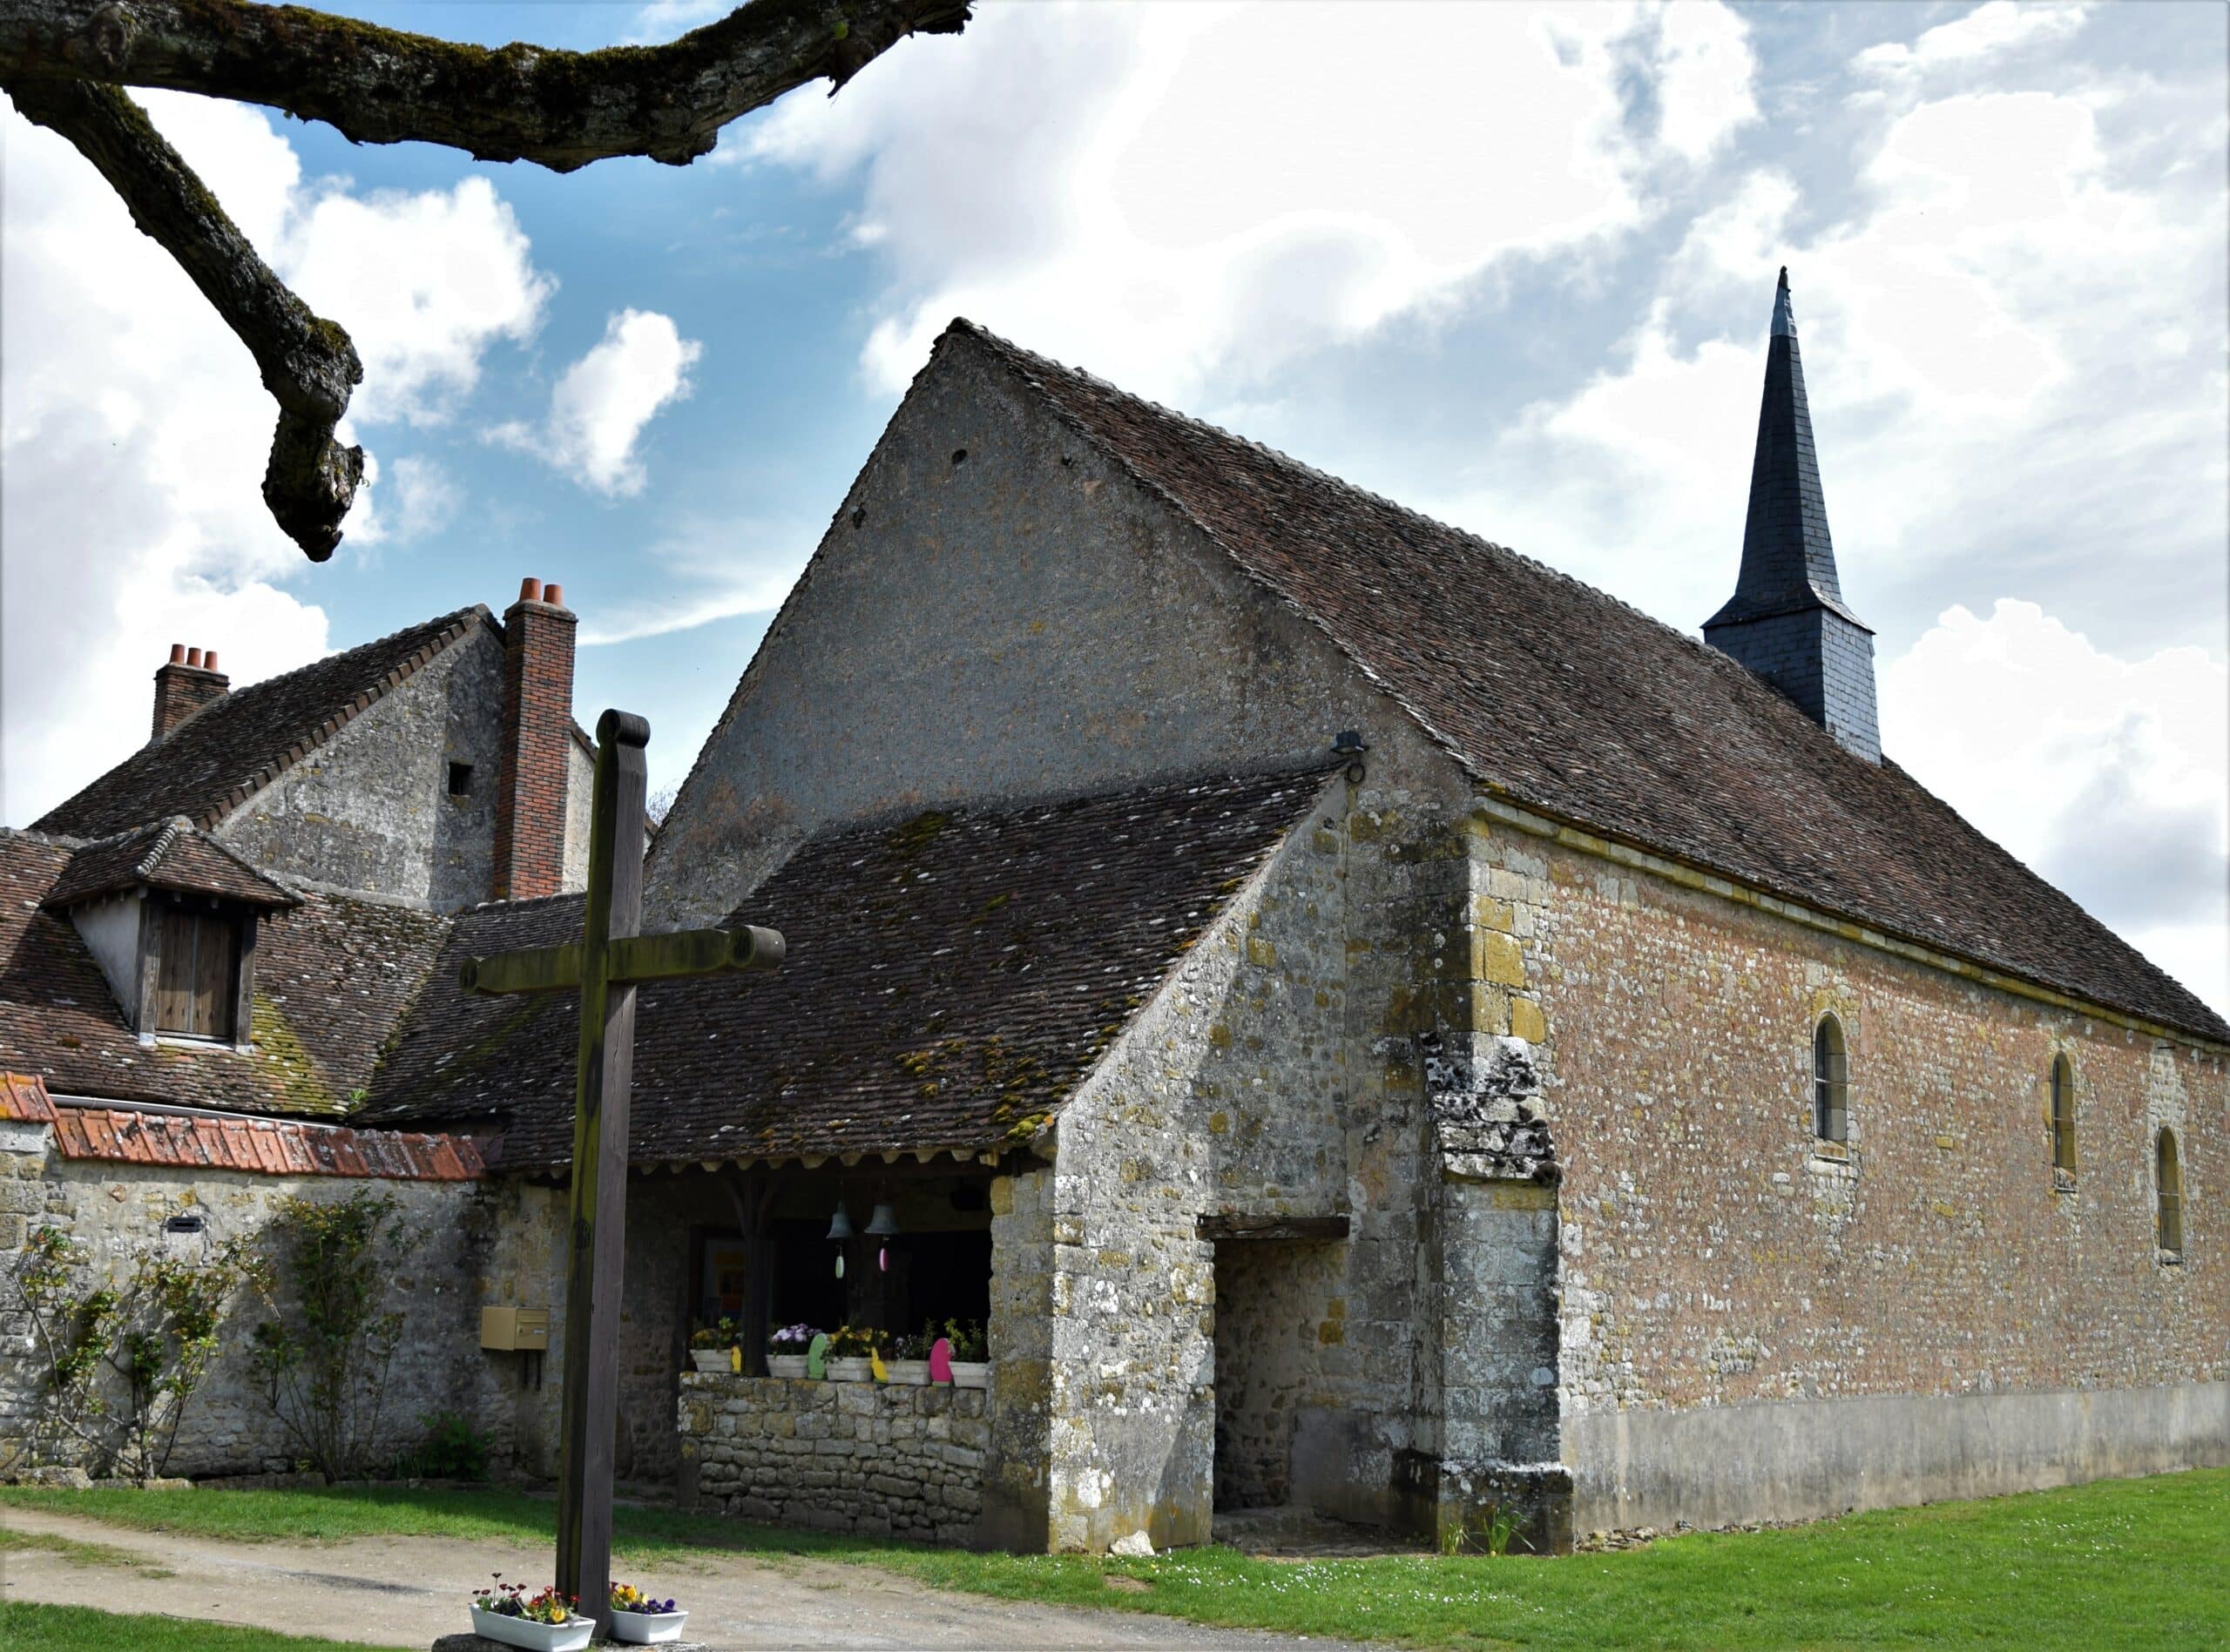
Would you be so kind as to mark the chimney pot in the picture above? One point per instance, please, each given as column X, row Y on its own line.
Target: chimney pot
column 183, row 685
column 554, row 594
column 530, row 589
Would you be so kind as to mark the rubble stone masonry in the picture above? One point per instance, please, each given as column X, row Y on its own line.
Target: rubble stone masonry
column 475, row 1245
column 882, row 1459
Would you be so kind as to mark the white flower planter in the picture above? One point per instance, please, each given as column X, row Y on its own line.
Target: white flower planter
column 570, row 1636
column 709, row 1360
column 908, row 1373
column 785, row 1365
column 851, row 1371
column 971, row 1373
column 647, row 1628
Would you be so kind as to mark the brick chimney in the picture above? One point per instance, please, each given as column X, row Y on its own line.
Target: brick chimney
column 183, row 684
column 537, row 744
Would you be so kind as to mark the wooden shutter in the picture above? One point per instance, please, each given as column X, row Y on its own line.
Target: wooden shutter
column 215, row 968
column 197, row 975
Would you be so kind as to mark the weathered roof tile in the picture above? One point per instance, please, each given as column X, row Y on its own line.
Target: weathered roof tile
column 950, row 979
column 1561, row 698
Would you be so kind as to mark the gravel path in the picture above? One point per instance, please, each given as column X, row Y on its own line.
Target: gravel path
column 406, row 1591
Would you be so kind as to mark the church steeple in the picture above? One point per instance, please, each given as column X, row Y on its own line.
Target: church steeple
column 1787, row 621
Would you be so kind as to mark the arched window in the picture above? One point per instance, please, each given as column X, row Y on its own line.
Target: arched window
column 1830, row 1083
column 2063, row 1115
column 2168, row 1178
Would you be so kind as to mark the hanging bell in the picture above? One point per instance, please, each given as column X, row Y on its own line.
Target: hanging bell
column 884, row 1222
column 839, row 1225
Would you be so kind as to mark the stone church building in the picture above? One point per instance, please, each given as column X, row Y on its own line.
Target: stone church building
column 1374, row 1024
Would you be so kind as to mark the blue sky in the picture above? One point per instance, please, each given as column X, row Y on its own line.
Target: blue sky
column 1511, row 266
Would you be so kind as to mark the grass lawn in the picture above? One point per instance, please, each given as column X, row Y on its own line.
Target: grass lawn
column 2141, row 1562
column 80, row 1628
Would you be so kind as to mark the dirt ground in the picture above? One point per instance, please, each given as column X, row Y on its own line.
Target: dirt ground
column 407, row 1591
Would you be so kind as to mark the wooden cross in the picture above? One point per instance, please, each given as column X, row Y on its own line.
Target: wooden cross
column 605, row 965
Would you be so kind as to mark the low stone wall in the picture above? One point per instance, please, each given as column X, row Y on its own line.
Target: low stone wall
column 872, row 1458
column 475, row 1243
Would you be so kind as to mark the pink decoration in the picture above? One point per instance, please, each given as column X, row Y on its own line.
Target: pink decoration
column 941, row 1360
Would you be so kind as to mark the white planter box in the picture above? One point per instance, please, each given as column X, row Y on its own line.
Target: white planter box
column 537, row 1637
column 647, row 1628
column 851, row 1371
column 709, row 1360
column 785, row 1365
column 908, row 1373
column 971, row 1373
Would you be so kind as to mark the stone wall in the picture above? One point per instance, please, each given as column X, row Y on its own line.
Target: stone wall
column 1822, row 1307
column 371, row 809
column 996, row 612
column 882, row 1459
column 478, row 1244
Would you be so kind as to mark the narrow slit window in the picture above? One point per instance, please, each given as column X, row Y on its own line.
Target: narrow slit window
column 2168, row 1171
column 2063, row 1115
column 1830, row 1083
column 460, row 780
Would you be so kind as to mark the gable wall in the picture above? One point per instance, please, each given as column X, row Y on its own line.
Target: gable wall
column 1750, row 1330
column 371, row 808
column 1025, row 623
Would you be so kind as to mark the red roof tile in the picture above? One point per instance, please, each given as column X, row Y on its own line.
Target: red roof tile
column 266, row 1147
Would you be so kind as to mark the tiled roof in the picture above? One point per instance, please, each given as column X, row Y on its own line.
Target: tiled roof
column 170, row 854
column 237, row 745
column 950, row 979
column 261, row 1146
column 1558, row 698
column 332, row 976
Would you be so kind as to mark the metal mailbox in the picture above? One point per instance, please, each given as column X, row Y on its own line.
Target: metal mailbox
column 515, row 1328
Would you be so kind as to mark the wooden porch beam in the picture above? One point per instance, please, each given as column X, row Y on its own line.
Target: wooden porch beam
column 1273, row 1227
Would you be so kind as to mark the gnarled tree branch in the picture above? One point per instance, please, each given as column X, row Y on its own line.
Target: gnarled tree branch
column 61, row 60
column 307, row 363
column 559, row 109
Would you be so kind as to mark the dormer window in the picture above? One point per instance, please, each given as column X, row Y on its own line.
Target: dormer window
column 171, row 915
column 197, row 970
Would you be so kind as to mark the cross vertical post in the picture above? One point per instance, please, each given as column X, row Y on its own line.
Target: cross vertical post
column 598, row 1228
column 605, row 965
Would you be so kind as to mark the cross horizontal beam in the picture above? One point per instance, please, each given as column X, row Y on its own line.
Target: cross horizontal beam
column 632, row 961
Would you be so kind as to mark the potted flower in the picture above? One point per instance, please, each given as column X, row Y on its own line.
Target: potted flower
column 850, row 1349
column 708, row 1345
column 786, row 1350
column 542, row 1622
column 908, row 1365
column 970, row 1354
column 641, row 1621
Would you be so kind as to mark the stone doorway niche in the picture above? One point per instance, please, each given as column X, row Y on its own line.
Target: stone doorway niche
column 1278, row 1311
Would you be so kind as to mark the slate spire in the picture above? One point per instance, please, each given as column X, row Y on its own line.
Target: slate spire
column 1787, row 621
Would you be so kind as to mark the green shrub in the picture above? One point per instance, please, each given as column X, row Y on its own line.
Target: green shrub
column 453, row 1449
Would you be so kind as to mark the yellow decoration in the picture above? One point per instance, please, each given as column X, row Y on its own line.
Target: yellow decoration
column 735, row 1360
column 875, row 1364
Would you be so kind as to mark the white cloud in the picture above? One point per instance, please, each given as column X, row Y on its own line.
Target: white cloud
column 2107, row 776
column 706, row 569
column 2013, row 346
column 408, row 500
column 1991, row 31
column 137, row 430
column 1175, row 193
column 600, row 408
